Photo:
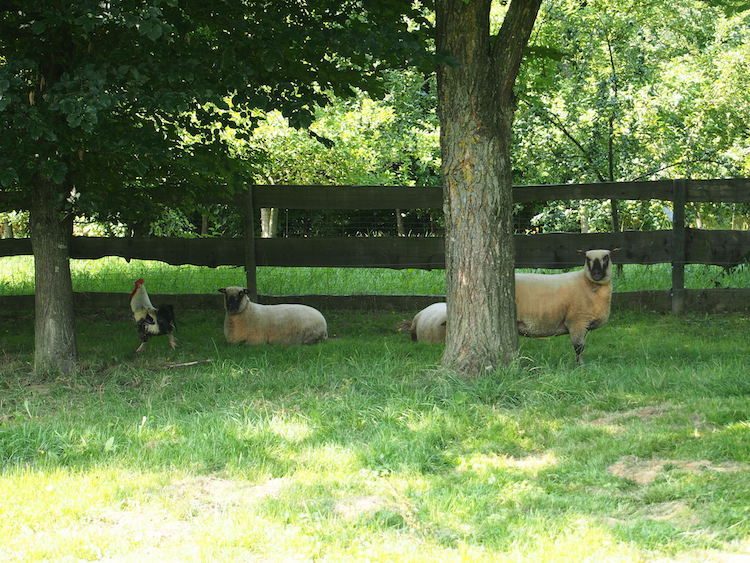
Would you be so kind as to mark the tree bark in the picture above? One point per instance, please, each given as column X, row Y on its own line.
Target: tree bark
column 269, row 220
column 400, row 230
column 583, row 213
column 7, row 229
column 476, row 107
column 54, row 328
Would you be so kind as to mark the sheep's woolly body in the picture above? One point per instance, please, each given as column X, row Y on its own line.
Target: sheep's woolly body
column 572, row 303
column 273, row 324
column 550, row 305
column 429, row 324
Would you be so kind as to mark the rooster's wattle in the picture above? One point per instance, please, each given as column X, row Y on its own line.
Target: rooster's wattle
column 150, row 320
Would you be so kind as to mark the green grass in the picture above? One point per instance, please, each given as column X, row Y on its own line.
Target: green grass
column 363, row 448
column 115, row 274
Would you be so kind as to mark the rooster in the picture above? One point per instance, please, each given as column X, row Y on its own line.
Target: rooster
column 150, row 320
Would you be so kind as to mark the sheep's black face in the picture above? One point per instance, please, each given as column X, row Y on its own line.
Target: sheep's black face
column 234, row 299
column 598, row 265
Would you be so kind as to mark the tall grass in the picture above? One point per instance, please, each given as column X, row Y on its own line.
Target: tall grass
column 117, row 275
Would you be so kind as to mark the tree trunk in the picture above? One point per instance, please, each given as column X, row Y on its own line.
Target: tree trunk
column 475, row 101
column 54, row 328
column 204, row 224
column 7, row 229
column 400, row 230
column 583, row 213
column 139, row 229
column 269, row 220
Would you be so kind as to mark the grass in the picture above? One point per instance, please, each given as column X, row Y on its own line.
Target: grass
column 363, row 448
column 115, row 274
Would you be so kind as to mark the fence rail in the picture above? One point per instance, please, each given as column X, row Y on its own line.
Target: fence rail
column 679, row 246
column 554, row 250
column 730, row 190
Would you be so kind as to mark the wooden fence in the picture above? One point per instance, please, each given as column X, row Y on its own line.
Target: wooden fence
column 678, row 246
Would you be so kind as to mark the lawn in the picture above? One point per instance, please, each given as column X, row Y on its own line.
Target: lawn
column 363, row 448
column 115, row 274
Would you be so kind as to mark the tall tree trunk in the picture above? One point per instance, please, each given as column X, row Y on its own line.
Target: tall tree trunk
column 269, row 221
column 204, row 224
column 583, row 213
column 400, row 230
column 475, row 101
column 54, row 328
column 7, row 229
column 614, row 205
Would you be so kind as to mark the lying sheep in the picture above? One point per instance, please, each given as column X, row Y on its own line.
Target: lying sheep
column 253, row 323
column 571, row 303
column 429, row 324
column 546, row 304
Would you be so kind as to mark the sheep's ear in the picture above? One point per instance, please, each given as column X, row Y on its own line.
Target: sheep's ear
column 222, row 290
column 246, row 291
column 615, row 250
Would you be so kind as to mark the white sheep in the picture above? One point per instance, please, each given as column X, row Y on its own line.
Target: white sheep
column 253, row 323
column 429, row 324
column 570, row 303
column 546, row 304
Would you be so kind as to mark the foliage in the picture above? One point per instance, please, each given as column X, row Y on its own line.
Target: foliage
column 353, row 141
column 667, row 91
column 101, row 96
column 663, row 86
column 18, row 220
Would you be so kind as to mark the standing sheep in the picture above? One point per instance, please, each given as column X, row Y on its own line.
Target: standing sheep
column 253, row 323
column 570, row 303
column 546, row 304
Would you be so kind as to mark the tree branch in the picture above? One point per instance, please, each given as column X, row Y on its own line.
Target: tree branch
column 554, row 120
column 667, row 166
column 510, row 42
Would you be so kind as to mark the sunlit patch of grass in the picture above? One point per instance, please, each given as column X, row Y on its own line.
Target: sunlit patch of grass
column 114, row 274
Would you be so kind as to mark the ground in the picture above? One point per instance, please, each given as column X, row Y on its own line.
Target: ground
column 362, row 447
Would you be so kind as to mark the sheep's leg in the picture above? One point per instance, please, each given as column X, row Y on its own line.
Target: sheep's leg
column 578, row 339
column 141, row 347
column 172, row 341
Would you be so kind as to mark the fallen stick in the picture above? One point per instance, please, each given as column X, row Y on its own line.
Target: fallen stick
column 188, row 364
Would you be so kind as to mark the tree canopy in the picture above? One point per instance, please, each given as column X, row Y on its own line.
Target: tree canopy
column 103, row 95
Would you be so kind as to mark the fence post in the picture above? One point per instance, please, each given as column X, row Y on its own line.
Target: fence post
column 248, row 224
column 679, row 195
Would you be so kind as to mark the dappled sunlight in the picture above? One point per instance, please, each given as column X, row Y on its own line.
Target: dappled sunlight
column 49, row 509
column 293, row 431
column 484, row 465
column 576, row 537
column 327, row 458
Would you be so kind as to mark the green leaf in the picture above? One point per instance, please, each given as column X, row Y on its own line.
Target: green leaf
column 38, row 27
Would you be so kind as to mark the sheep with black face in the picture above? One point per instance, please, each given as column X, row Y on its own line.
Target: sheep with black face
column 571, row 303
column 546, row 304
column 253, row 323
